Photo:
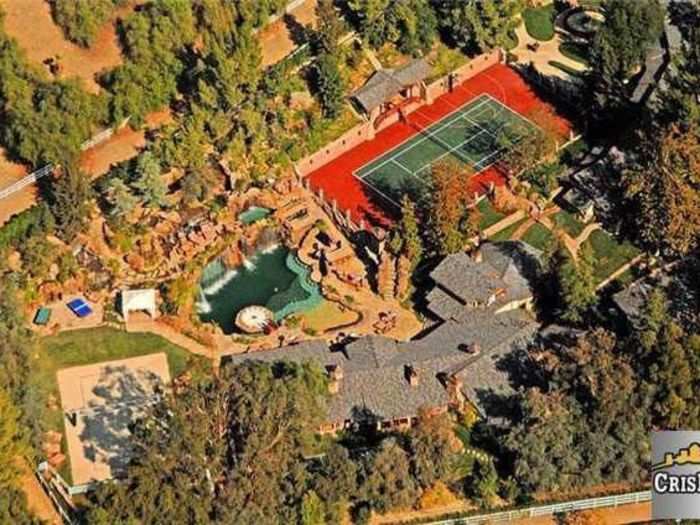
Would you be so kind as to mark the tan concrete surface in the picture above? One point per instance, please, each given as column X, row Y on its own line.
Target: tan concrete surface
column 106, row 397
column 546, row 52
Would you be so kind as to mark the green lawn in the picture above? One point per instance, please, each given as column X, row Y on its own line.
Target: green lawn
column 489, row 215
column 568, row 223
column 610, row 255
column 566, row 69
column 84, row 347
column 539, row 22
column 505, row 234
column 537, row 236
column 575, row 51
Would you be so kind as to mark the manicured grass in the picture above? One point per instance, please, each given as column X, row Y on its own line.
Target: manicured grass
column 537, row 236
column 84, row 347
column 568, row 223
column 539, row 22
column 575, row 51
column 610, row 255
column 326, row 316
column 566, row 69
column 489, row 215
column 505, row 234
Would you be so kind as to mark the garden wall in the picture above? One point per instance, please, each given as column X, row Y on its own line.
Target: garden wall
column 354, row 137
column 465, row 72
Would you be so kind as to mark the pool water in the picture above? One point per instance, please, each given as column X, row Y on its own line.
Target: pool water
column 273, row 278
column 253, row 214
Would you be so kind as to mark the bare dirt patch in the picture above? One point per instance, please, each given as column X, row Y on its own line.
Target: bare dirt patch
column 123, row 145
column 276, row 39
column 30, row 23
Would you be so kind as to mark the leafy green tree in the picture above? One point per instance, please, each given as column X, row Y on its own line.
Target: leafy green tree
column 481, row 25
column 13, row 508
column 652, row 320
column 451, row 221
column 312, row 510
column 82, row 19
column 13, row 448
column 371, row 16
column 329, row 85
column 389, row 484
column 620, row 47
column 149, row 181
column 416, row 23
column 38, row 255
column 120, row 198
column 410, row 24
column 225, row 449
column 432, row 449
column 577, row 285
column 154, row 40
column 329, row 27
column 336, row 482
column 663, row 183
column 679, row 101
column 406, row 238
column 70, row 196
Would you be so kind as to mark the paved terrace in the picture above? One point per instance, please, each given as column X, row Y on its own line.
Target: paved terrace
column 338, row 182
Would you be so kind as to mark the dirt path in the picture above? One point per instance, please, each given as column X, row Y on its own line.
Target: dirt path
column 585, row 234
column 172, row 335
column 547, row 51
column 30, row 23
column 276, row 39
column 37, row 500
column 522, row 229
column 123, row 145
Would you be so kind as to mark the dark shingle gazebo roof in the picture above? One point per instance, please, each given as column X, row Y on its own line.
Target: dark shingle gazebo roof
column 387, row 83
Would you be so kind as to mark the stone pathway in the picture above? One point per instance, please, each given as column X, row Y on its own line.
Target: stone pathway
column 172, row 335
column 547, row 51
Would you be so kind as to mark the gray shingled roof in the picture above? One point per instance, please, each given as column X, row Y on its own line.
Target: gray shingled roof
column 387, row 83
column 508, row 266
column 374, row 380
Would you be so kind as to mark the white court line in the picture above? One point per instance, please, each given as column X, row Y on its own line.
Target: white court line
column 380, row 192
column 402, row 167
column 488, row 157
column 451, row 150
column 520, row 116
column 442, row 123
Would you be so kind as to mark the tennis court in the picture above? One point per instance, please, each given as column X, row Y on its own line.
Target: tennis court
column 475, row 134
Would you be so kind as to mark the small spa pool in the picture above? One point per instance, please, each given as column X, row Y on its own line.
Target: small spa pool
column 253, row 214
column 273, row 278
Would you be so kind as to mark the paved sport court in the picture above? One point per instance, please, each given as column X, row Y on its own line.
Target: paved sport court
column 475, row 134
column 99, row 403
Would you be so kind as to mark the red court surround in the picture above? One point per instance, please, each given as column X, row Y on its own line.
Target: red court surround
column 338, row 182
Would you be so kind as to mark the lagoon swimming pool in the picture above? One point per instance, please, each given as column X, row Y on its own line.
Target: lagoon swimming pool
column 274, row 278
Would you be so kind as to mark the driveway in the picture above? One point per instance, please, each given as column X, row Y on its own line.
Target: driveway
column 547, row 51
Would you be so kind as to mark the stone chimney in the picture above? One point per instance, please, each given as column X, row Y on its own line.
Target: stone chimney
column 411, row 373
column 335, row 377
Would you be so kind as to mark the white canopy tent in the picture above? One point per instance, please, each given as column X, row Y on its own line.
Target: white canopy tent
column 134, row 300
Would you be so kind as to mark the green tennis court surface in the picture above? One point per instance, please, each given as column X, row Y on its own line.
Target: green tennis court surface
column 474, row 135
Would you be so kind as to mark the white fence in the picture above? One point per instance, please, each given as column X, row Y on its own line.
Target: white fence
column 550, row 510
column 26, row 181
column 95, row 140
